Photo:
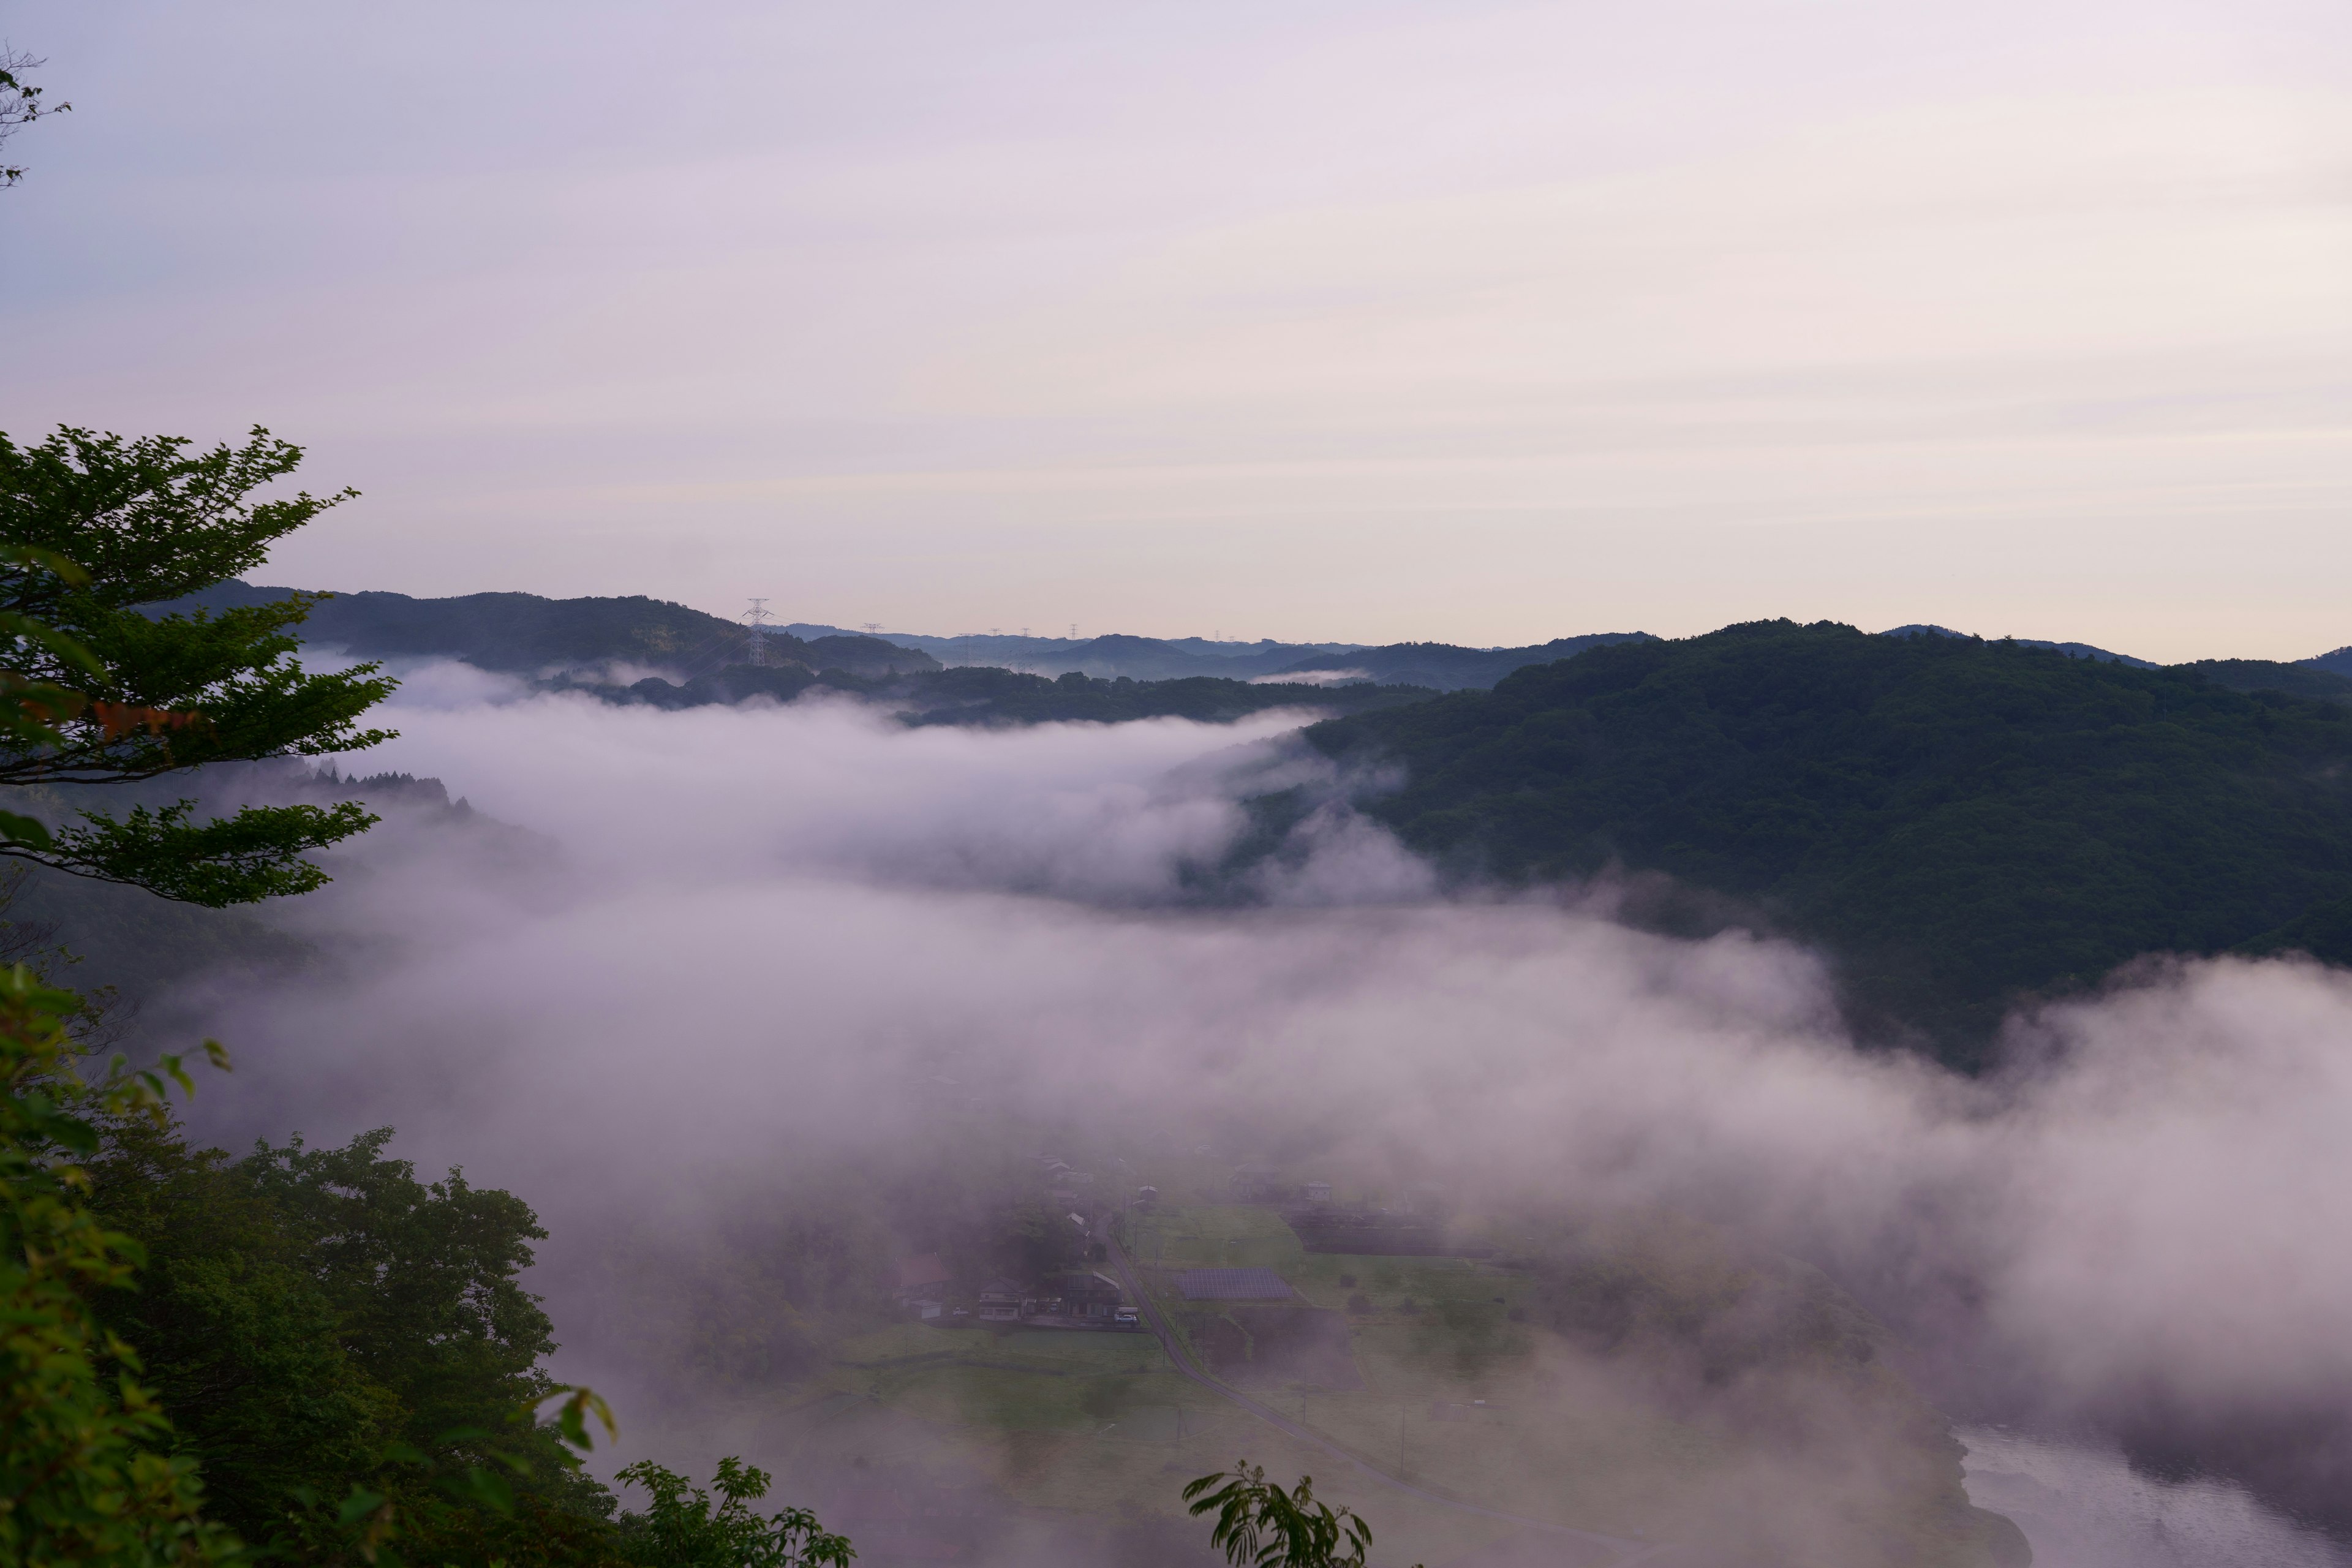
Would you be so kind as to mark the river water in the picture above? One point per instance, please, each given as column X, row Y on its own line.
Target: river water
column 2083, row 1506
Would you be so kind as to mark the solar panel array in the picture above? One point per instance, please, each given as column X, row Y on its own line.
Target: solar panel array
column 1233, row 1285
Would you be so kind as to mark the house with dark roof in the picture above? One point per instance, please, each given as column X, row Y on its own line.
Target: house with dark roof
column 1088, row 1294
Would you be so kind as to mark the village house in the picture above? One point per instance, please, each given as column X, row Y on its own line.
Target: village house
column 923, row 1282
column 1088, row 1294
column 1255, row 1184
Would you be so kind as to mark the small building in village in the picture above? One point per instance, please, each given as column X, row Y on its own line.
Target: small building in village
column 1234, row 1285
column 923, row 1282
column 1086, row 1293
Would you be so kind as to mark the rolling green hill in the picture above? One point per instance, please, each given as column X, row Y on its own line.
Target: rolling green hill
column 1959, row 824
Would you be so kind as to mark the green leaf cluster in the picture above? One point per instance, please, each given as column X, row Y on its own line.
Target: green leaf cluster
column 98, row 525
column 317, row 1320
column 1261, row 1524
column 684, row 1528
column 86, row 1472
column 310, row 1350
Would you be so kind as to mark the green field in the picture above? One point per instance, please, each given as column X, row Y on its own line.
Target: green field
column 1068, row 1423
column 1438, row 1332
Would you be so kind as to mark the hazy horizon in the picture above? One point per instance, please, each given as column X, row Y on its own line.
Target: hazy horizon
column 1394, row 323
column 1080, row 632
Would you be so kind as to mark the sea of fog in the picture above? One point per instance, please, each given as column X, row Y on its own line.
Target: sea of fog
column 720, row 937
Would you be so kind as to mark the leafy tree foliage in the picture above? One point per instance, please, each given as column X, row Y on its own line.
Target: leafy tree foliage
column 84, row 1474
column 1962, row 823
column 683, row 1527
column 424, row 1276
column 1261, row 1525
column 104, row 525
column 302, row 1312
column 342, row 1353
column 243, row 1350
column 20, row 103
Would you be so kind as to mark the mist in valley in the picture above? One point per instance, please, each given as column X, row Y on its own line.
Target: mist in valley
column 699, row 985
column 1756, row 1090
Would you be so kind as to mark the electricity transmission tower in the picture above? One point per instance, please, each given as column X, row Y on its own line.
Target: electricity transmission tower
column 871, row 626
column 755, row 628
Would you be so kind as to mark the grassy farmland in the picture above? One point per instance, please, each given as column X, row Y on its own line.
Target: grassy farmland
column 1438, row 1370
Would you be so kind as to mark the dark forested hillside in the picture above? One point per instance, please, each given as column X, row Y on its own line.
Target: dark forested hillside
column 2304, row 679
column 990, row 698
column 2071, row 650
column 515, row 632
column 1959, row 823
column 1443, row 667
column 526, row 634
column 1108, row 657
column 2337, row 663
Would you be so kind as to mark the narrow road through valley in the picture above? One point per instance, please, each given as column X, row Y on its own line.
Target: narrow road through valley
column 1628, row 1552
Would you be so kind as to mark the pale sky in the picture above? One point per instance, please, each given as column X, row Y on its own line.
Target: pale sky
column 1487, row 323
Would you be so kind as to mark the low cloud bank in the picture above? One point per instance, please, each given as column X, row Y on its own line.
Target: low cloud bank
column 772, row 932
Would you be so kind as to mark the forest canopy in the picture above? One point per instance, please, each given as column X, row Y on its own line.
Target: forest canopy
column 1959, row 823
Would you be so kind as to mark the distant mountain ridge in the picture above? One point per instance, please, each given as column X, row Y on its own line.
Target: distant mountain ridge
column 2337, row 663
column 529, row 634
column 518, row 633
column 1444, row 667
column 987, row 697
column 1441, row 666
column 1105, row 658
column 2305, row 678
column 2071, row 650
column 526, row 634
